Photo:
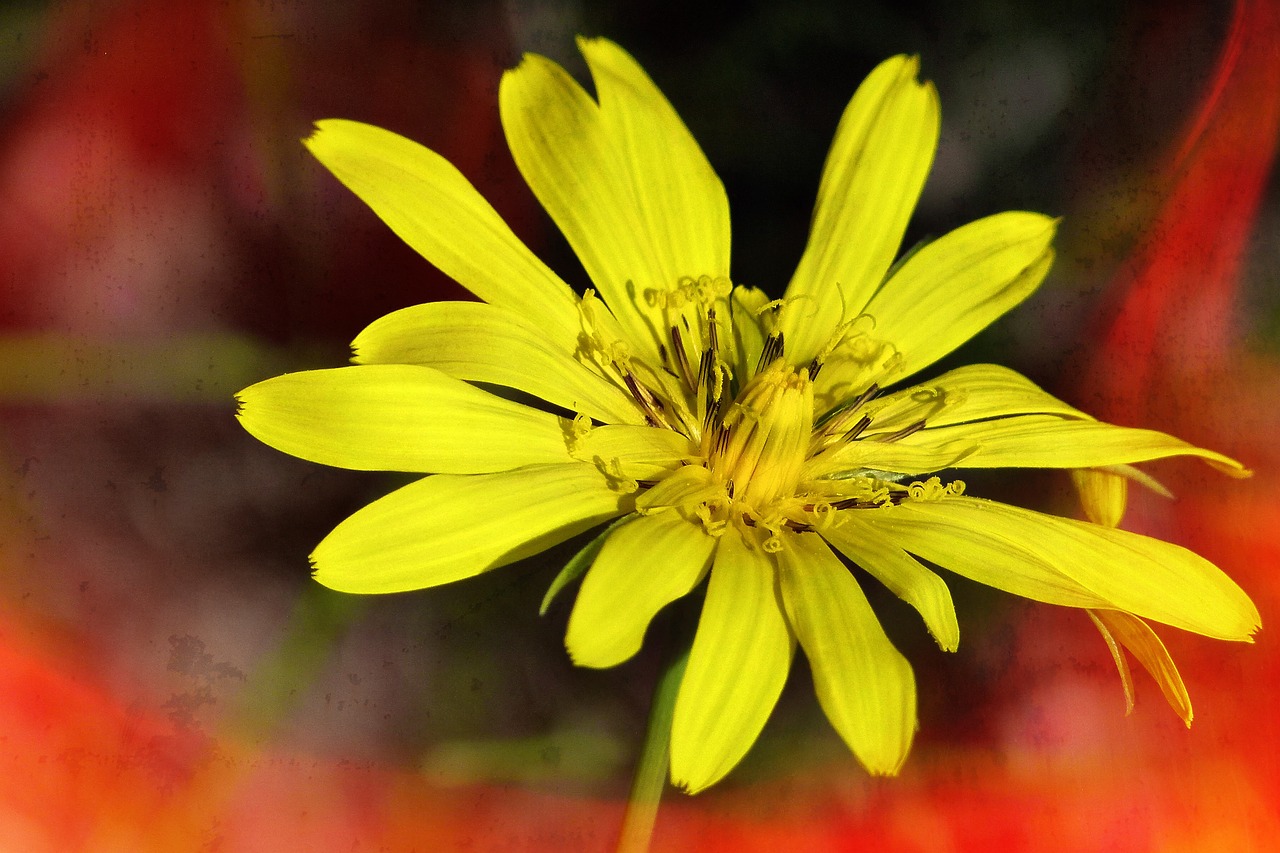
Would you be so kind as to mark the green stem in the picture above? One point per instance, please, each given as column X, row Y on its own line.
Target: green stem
column 651, row 771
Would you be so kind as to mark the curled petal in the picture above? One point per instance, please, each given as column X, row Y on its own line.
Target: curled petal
column 1142, row 642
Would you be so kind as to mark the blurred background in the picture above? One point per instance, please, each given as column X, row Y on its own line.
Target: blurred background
column 171, row 679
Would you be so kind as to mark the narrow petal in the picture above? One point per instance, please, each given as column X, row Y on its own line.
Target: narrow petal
column 872, row 179
column 738, row 665
column 857, row 457
column 1073, row 563
column 488, row 343
column 1142, row 642
column 1103, row 494
column 644, row 566
column 946, row 293
column 444, row 528
column 677, row 193
column 579, row 563
column 746, row 303
column 637, row 452
column 1117, row 655
column 975, row 392
column 398, row 417
column 623, row 180
column 1046, row 441
column 440, row 214
column 865, row 686
column 901, row 573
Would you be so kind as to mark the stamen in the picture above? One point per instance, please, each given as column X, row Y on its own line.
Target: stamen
column 650, row 404
column 902, row 433
column 772, row 351
column 858, row 429
column 682, row 357
column 861, row 400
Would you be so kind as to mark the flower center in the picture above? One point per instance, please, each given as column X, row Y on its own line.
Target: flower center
column 761, row 443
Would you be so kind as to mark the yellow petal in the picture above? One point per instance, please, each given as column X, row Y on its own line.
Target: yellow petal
column 737, row 667
column 687, row 486
column 1046, row 441
column 644, row 565
column 677, row 193
column 865, row 686
column 974, row 392
column 1117, row 655
column 872, row 179
column 856, row 457
column 1137, row 636
column 901, row 573
column 395, row 417
column 623, row 180
column 487, row 343
column 1103, row 494
column 1067, row 562
column 579, row 563
column 444, row 528
column 440, row 214
column 949, row 291
column 637, row 452
column 746, row 303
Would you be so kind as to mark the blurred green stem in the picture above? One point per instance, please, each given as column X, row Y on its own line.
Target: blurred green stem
column 320, row 617
column 651, row 771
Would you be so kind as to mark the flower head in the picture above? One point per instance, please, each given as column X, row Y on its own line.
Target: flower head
column 756, row 441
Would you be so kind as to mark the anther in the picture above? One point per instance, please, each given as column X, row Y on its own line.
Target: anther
column 903, row 433
column 771, row 352
column 682, row 358
column 650, row 404
column 859, row 427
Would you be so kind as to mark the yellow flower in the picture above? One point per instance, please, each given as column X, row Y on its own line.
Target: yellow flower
column 730, row 435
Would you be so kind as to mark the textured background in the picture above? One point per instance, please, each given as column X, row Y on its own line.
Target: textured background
column 171, row 679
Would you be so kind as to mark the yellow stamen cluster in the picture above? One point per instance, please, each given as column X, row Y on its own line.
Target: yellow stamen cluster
column 760, row 458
